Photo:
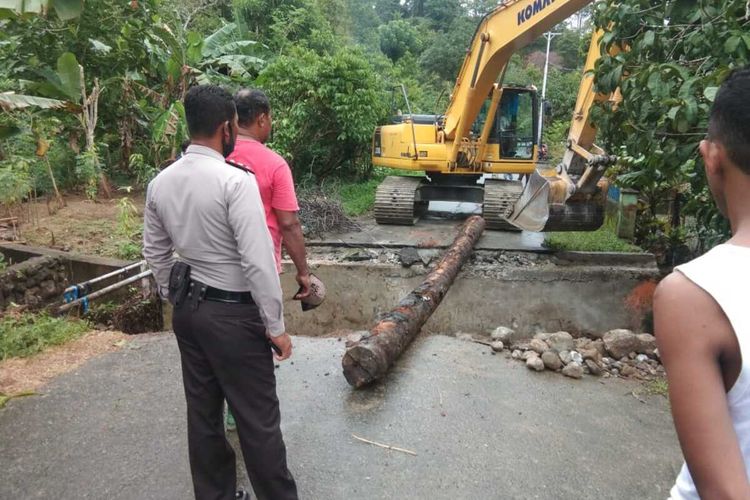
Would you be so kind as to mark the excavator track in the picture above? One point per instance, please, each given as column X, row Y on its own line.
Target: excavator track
column 499, row 199
column 397, row 201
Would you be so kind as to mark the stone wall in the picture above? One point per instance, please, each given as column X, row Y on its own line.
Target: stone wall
column 34, row 282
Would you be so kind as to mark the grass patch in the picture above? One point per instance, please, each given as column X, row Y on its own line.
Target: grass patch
column 657, row 387
column 25, row 334
column 358, row 198
column 602, row 240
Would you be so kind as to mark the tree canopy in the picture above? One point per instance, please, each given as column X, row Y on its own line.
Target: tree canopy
column 329, row 66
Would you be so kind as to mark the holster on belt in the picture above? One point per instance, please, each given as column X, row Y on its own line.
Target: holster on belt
column 179, row 283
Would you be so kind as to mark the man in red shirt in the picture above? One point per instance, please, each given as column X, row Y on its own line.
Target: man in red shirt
column 274, row 179
column 276, row 186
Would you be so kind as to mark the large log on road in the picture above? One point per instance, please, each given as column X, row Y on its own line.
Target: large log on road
column 371, row 357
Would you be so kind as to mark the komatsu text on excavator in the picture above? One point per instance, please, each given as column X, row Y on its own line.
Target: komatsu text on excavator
column 489, row 128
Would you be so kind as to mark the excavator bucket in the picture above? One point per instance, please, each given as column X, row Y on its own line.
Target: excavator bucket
column 531, row 211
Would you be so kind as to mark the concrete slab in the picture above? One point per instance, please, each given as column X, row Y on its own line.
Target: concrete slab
column 483, row 427
column 433, row 233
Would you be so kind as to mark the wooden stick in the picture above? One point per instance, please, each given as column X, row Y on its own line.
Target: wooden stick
column 381, row 445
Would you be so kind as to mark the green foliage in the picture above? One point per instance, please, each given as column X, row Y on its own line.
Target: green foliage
column 12, row 102
column 562, row 91
column 3, row 264
column 358, row 198
column 657, row 387
column 129, row 231
column 127, row 217
column 441, row 12
column 327, row 65
column 571, row 47
column 129, row 250
column 88, row 171
column 143, row 172
column 397, row 38
column 325, row 110
column 15, row 180
column 556, row 138
column 668, row 78
column 303, row 25
column 27, row 334
column 170, row 130
column 227, row 52
column 603, row 240
column 445, row 54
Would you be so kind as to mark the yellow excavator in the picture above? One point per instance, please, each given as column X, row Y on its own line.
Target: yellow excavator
column 490, row 128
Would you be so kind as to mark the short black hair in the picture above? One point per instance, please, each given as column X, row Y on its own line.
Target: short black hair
column 730, row 118
column 206, row 108
column 251, row 103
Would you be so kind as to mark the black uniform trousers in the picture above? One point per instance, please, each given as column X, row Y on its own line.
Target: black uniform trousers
column 225, row 355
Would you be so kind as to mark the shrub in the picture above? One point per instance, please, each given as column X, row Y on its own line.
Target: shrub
column 25, row 334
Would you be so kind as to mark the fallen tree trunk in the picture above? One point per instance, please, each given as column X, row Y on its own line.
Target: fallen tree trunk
column 371, row 357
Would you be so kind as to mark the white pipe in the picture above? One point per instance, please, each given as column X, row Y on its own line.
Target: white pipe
column 106, row 276
column 103, row 291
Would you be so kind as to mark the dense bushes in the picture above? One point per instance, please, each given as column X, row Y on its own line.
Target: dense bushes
column 325, row 109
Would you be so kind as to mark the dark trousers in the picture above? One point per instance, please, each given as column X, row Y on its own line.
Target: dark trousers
column 225, row 355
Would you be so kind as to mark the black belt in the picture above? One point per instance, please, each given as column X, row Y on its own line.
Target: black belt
column 217, row 295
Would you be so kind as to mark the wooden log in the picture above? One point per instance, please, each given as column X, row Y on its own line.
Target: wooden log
column 371, row 357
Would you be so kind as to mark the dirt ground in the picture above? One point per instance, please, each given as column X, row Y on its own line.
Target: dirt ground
column 22, row 375
column 83, row 226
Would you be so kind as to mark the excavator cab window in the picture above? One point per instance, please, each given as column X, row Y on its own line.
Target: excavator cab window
column 515, row 123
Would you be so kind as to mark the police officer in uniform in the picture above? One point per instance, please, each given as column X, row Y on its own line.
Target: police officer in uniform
column 228, row 303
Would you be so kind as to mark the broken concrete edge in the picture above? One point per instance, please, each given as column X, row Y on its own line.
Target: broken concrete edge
column 605, row 258
column 397, row 246
column 562, row 257
column 23, row 251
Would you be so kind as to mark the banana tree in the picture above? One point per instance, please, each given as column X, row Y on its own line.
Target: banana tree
column 225, row 56
column 229, row 54
column 65, row 89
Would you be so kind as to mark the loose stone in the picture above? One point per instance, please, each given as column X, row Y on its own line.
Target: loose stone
column 573, row 370
column 535, row 363
column 551, row 360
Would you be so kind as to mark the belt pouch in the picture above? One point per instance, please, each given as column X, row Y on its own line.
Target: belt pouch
column 179, row 283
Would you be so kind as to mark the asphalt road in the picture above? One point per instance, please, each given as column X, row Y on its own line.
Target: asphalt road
column 482, row 426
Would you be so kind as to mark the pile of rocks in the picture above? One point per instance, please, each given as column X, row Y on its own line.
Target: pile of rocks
column 618, row 353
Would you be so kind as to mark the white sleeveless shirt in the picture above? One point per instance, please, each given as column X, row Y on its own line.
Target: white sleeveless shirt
column 724, row 273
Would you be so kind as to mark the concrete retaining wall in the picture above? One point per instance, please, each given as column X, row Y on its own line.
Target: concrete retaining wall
column 71, row 268
column 576, row 292
column 561, row 294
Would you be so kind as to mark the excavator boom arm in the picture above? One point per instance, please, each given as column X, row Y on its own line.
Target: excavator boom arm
column 511, row 26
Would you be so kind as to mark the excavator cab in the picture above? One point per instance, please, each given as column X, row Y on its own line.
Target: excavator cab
column 515, row 127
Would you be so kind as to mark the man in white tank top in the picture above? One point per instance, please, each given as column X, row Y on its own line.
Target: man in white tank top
column 702, row 319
